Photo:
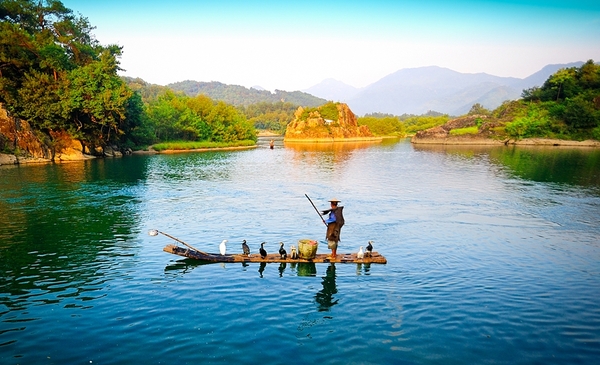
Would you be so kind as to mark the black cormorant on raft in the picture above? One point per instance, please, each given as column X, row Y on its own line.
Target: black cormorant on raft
column 194, row 253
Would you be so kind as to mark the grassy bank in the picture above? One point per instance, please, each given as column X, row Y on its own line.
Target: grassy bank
column 189, row 145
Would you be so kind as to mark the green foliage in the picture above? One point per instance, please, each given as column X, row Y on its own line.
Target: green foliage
column 478, row 109
column 572, row 99
column 533, row 121
column 326, row 111
column 329, row 111
column 466, row 130
column 270, row 116
column 385, row 126
column 419, row 123
column 179, row 117
column 596, row 133
column 56, row 75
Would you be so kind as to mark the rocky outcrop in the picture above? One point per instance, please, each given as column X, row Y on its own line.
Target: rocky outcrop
column 314, row 125
column 20, row 144
column 489, row 132
column 16, row 135
column 442, row 134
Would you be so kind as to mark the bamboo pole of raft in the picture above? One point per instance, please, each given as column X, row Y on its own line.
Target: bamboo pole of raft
column 180, row 241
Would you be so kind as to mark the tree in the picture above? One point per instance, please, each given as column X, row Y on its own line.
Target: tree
column 478, row 109
column 55, row 74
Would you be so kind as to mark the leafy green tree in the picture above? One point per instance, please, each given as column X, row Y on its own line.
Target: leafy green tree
column 386, row 126
column 55, row 74
column 478, row 109
column 97, row 98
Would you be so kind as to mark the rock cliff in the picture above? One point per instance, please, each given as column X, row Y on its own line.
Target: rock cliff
column 329, row 122
column 20, row 144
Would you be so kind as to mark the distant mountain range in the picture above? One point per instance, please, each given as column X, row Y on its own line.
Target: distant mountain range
column 418, row 90
column 406, row 91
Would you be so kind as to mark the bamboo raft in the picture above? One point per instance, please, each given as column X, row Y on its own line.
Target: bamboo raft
column 191, row 253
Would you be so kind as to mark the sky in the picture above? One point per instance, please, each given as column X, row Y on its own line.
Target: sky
column 293, row 45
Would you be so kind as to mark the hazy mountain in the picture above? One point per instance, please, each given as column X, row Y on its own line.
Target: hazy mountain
column 333, row 90
column 538, row 78
column 418, row 90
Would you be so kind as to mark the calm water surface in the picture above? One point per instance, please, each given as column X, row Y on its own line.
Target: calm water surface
column 493, row 257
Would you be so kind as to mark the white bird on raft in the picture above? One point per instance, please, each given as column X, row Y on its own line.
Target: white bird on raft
column 361, row 253
column 223, row 247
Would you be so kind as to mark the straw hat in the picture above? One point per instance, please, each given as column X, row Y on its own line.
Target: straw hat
column 334, row 200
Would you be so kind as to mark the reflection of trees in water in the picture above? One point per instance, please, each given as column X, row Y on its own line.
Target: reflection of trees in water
column 324, row 297
column 574, row 166
column 69, row 225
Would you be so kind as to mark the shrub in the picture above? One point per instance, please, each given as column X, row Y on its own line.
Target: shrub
column 466, row 130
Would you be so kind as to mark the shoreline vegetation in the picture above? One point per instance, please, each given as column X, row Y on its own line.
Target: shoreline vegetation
column 184, row 146
column 541, row 142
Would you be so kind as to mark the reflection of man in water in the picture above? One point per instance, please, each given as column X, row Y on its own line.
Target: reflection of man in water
column 325, row 297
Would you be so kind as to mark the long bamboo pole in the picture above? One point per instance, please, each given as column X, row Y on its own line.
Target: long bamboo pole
column 313, row 204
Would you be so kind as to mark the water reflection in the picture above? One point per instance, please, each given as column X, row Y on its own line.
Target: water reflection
column 326, row 154
column 282, row 267
column 184, row 266
column 66, row 225
column 261, row 268
column 363, row 269
column 568, row 165
column 324, row 297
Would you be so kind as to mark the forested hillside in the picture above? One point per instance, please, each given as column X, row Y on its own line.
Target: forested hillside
column 239, row 95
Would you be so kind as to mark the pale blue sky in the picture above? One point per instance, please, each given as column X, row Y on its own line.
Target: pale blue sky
column 292, row 45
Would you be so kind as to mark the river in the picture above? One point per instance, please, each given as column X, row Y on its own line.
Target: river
column 493, row 257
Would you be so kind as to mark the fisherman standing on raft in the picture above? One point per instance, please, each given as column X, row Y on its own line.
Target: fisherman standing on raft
column 334, row 225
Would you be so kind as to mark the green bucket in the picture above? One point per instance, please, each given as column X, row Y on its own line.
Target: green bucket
column 307, row 249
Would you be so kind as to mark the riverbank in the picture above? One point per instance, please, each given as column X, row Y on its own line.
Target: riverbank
column 203, row 149
column 8, row 159
column 461, row 140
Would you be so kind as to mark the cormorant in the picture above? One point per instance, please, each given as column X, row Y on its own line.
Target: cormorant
column 369, row 251
column 282, row 251
column 263, row 252
column 245, row 248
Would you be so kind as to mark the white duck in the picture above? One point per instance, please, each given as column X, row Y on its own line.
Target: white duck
column 361, row 253
column 223, row 247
